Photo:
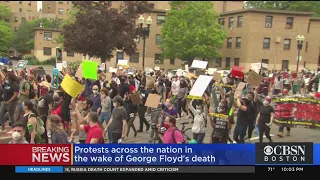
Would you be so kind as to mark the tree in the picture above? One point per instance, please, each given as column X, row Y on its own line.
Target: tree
column 70, row 20
column 99, row 29
column 313, row 6
column 23, row 40
column 191, row 30
column 5, row 30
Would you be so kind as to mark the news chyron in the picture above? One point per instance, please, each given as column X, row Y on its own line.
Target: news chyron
column 284, row 153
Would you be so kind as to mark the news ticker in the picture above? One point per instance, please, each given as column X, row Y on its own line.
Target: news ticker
column 160, row 154
column 165, row 169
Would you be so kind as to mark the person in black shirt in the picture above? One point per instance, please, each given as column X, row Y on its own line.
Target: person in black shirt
column 265, row 119
column 221, row 125
column 131, row 116
column 10, row 98
column 124, row 87
column 242, row 123
column 251, row 115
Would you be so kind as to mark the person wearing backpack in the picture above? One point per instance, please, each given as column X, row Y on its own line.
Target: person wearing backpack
column 172, row 134
column 35, row 126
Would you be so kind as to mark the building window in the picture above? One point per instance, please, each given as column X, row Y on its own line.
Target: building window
column 7, row 19
column 265, row 61
column 158, row 59
column 229, row 42
column 23, row 19
column 218, row 62
column 239, row 21
column 15, row 19
column 171, row 61
column 221, row 21
column 47, row 36
column 29, row 3
column 15, row 29
column 158, row 39
column 161, row 19
column 266, row 43
column 61, row 11
column 134, row 58
column 285, row 65
column 230, row 22
column 20, row 9
column 70, row 53
column 47, row 51
column 306, row 50
column 20, row 2
column 286, row 44
column 237, row 61
column 289, row 23
column 60, row 2
column 268, row 23
column 227, row 62
column 120, row 56
column 238, row 42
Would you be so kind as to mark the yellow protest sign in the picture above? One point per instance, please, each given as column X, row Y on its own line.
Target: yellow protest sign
column 71, row 86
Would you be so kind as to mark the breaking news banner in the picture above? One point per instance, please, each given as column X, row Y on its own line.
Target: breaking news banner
column 168, row 158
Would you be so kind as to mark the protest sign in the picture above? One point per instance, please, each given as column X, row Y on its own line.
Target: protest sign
column 200, row 85
column 157, row 68
column 211, row 71
column 59, row 66
column 216, row 76
column 237, row 71
column 150, row 81
column 38, row 72
column 199, row 64
column 239, row 89
column 64, row 64
column 186, row 67
column 292, row 111
column 79, row 72
column 89, row 69
column 71, row 86
column 111, row 69
column 153, row 100
column 103, row 66
column 136, row 99
column 254, row 78
column 21, row 64
column 122, row 62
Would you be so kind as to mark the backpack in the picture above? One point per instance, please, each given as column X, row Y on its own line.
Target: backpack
column 39, row 125
column 32, row 93
column 174, row 139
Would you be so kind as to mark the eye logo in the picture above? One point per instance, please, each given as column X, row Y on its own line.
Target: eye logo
column 268, row 150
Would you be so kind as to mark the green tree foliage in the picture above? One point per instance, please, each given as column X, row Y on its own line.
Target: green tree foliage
column 5, row 30
column 191, row 30
column 23, row 40
column 99, row 29
column 70, row 20
column 313, row 6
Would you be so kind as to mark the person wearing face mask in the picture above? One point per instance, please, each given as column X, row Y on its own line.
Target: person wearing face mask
column 251, row 115
column 93, row 129
column 18, row 131
column 168, row 110
column 265, row 119
column 82, row 117
column 118, row 121
column 96, row 99
column 199, row 121
column 172, row 135
column 221, row 124
column 10, row 98
column 241, row 124
column 106, row 110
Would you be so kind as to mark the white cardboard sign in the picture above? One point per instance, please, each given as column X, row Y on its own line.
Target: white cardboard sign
column 199, row 64
column 200, row 85
column 123, row 62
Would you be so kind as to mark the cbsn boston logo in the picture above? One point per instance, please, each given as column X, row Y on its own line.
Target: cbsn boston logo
column 284, row 153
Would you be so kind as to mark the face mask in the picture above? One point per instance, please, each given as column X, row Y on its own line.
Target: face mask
column 266, row 103
column 16, row 136
column 7, row 81
column 166, row 126
column 198, row 111
column 115, row 104
column 55, row 98
column 95, row 92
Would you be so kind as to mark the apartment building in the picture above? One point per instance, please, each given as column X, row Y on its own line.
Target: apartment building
column 269, row 36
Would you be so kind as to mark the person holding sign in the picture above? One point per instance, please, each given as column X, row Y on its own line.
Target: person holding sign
column 242, row 124
column 221, row 125
column 200, row 118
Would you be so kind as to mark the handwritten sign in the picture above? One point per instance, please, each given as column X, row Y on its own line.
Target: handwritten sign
column 254, row 78
column 71, row 86
column 79, row 72
column 153, row 100
column 239, row 89
column 21, row 64
column 216, row 76
column 199, row 64
column 89, row 69
column 200, row 85
column 123, row 62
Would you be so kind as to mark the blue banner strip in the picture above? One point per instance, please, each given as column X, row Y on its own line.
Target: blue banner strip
column 316, row 154
column 39, row 169
column 164, row 154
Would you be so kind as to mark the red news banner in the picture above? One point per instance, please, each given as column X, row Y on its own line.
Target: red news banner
column 297, row 111
column 36, row 154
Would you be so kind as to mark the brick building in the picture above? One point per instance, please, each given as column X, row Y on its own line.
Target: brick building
column 269, row 36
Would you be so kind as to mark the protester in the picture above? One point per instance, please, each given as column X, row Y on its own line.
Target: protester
column 18, row 132
column 58, row 134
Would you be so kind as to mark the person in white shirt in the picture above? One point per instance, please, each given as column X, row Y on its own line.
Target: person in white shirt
column 199, row 122
column 175, row 86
